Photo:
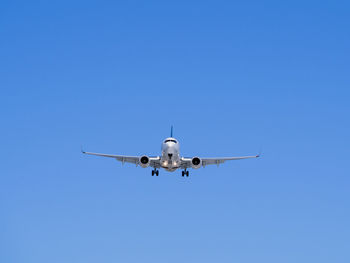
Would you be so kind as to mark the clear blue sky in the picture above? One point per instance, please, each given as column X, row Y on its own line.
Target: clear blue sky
column 231, row 78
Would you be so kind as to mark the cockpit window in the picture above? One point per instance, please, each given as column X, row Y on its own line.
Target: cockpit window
column 174, row 141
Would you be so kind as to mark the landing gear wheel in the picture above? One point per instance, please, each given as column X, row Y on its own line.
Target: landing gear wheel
column 187, row 173
column 155, row 172
column 183, row 173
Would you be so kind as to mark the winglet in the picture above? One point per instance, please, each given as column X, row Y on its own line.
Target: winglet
column 259, row 154
column 81, row 149
column 171, row 132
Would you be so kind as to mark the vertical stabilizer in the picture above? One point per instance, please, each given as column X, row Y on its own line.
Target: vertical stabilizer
column 171, row 132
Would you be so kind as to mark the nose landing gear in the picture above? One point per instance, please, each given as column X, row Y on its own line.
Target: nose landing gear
column 185, row 172
column 155, row 172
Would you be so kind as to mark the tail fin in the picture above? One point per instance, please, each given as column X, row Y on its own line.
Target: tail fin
column 171, row 132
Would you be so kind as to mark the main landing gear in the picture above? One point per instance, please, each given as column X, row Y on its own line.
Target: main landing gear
column 185, row 173
column 155, row 172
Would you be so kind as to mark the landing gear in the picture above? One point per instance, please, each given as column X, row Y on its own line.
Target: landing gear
column 185, row 173
column 155, row 172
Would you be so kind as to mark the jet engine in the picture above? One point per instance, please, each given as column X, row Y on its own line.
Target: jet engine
column 196, row 162
column 144, row 161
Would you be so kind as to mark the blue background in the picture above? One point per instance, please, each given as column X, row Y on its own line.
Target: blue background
column 231, row 77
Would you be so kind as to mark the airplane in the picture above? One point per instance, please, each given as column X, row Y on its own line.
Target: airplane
column 170, row 160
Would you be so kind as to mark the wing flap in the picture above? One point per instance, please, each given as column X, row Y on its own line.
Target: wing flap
column 154, row 161
column 220, row 160
column 186, row 162
column 121, row 158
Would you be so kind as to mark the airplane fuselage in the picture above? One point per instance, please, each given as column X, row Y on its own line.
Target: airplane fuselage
column 170, row 159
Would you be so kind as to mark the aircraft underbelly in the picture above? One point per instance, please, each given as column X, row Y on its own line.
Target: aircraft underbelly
column 173, row 169
column 170, row 165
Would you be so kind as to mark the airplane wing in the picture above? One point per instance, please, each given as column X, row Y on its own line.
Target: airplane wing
column 154, row 161
column 186, row 162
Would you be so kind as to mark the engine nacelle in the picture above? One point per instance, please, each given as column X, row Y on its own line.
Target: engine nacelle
column 144, row 161
column 196, row 162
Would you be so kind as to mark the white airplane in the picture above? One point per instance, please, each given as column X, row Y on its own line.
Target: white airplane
column 170, row 159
